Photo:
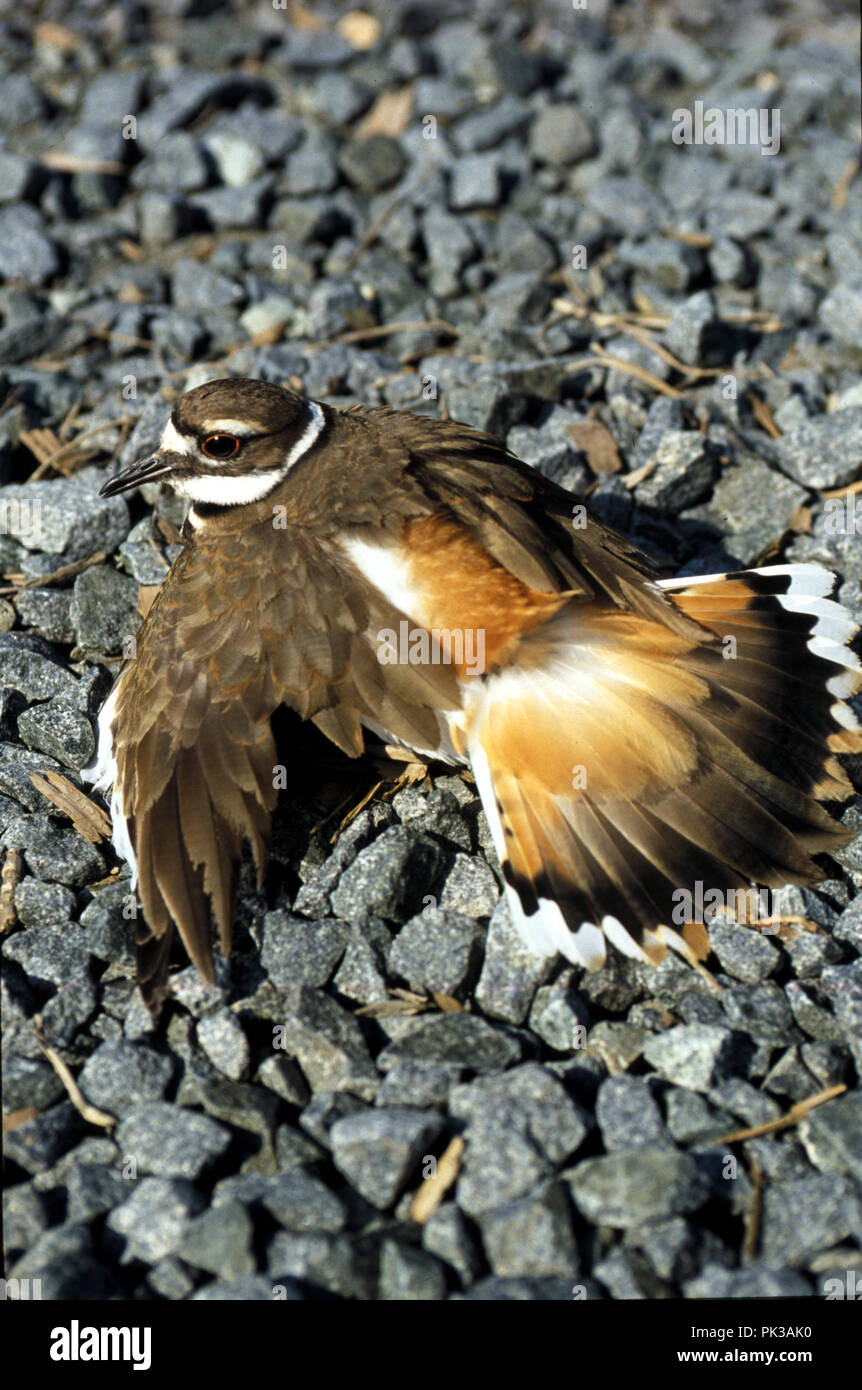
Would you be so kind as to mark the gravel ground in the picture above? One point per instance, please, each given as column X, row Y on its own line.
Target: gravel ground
column 190, row 190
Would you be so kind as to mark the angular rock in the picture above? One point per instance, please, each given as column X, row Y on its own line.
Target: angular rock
column 220, row 1241
column 520, row 1126
column 744, row 953
column 153, row 1218
column 170, row 1141
column 823, row 453
column 119, row 1076
column 408, row 1274
column 458, row 1038
column 378, row 1150
column 297, row 951
column 388, row 877
column 327, row 1042
column 438, row 950
column 628, row 1115
column 630, row 1187
column 532, row 1236
column 692, row 1055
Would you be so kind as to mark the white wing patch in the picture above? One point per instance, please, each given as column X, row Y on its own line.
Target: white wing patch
column 102, row 772
column 383, row 567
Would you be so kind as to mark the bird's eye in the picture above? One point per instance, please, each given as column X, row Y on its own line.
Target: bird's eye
column 220, row 446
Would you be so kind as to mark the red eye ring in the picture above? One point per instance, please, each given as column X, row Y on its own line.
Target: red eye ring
column 220, row 446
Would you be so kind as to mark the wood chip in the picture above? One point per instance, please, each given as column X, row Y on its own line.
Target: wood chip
column 16, row 1118
column 390, row 115
column 402, row 1002
column 43, row 444
column 302, row 18
column 702, row 240
column 595, row 440
column 842, row 187
column 386, row 1008
column 642, row 303
column 414, row 772
column 10, row 877
column 638, row 475
column 401, row 755
column 89, row 820
column 361, row 30
column 68, row 422
column 56, row 36
column 131, row 294
column 267, row 336
column 434, row 1189
column 67, row 457
column 447, row 1003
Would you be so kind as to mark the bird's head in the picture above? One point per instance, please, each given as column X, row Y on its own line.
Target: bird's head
column 228, row 442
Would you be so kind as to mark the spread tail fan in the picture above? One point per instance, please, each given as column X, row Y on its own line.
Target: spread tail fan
column 621, row 763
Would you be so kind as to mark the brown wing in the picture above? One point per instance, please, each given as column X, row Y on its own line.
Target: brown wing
column 245, row 622
column 424, row 467
column 697, row 768
column 525, row 522
column 623, row 765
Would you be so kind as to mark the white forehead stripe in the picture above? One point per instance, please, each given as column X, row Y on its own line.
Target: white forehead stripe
column 172, row 442
column 234, row 490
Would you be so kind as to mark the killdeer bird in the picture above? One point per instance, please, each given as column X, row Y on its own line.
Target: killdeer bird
column 631, row 736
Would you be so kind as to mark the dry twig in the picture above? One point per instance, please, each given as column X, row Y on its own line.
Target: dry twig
column 58, row 576
column 796, row 1113
column 755, row 1208
column 90, row 1113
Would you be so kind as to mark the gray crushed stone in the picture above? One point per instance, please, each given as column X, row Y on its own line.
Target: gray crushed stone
column 380, row 1024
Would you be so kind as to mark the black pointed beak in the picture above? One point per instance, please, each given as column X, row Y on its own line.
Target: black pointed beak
column 148, row 470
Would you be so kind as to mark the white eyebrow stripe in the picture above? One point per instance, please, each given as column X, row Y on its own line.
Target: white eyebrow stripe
column 240, row 427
